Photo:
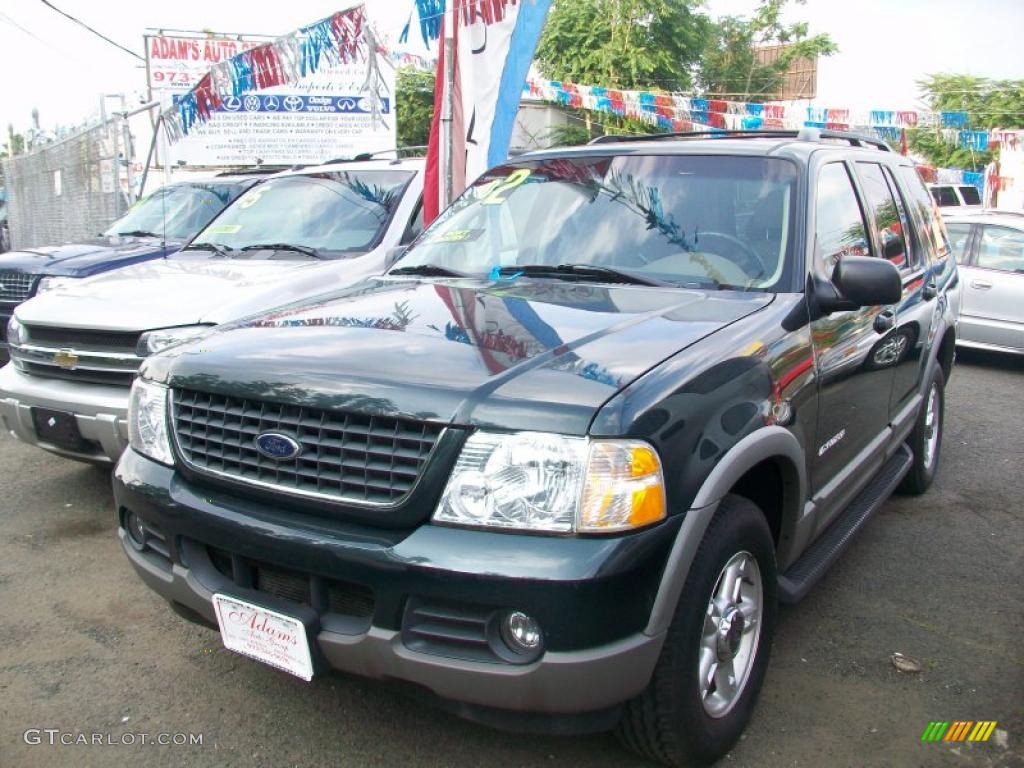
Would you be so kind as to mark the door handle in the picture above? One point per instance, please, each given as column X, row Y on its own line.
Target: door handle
column 884, row 321
column 982, row 285
column 930, row 291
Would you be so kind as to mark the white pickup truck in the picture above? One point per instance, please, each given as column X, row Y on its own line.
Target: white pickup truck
column 75, row 350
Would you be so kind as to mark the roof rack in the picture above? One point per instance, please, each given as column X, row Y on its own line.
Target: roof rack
column 363, row 156
column 253, row 169
column 804, row 134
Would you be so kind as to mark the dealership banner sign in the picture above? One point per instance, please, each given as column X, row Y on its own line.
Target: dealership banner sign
column 313, row 95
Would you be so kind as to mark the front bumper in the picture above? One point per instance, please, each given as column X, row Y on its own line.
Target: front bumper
column 101, row 412
column 591, row 596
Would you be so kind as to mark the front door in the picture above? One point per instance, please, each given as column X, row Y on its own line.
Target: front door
column 853, row 391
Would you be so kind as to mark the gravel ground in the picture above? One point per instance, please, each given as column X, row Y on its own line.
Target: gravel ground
column 86, row 648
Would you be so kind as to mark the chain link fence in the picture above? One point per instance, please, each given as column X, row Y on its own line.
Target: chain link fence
column 68, row 190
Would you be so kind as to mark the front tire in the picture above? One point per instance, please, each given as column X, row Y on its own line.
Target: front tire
column 926, row 439
column 713, row 663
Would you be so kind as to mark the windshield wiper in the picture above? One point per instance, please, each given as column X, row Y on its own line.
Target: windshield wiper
column 138, row 233
column 220, row 250
column 427, row 270
column 312, row 252
column 592, row 271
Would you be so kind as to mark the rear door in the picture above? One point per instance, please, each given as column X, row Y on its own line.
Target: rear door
column 993, row 298
column 903, row 348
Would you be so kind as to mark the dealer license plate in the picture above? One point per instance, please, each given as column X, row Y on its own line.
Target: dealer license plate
column 264, row 635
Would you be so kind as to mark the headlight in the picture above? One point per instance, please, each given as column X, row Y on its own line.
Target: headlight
column 147, row 421
column 15, row 331
column 152, row 342
column 49, row 283
column 535, row 481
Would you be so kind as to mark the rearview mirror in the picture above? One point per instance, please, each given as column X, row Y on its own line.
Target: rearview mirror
column 860, row 281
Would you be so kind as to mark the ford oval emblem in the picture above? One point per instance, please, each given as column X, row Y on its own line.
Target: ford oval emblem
column 276, row 446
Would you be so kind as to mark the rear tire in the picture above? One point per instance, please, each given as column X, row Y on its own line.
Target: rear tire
column 677, row 720
column 926, row 439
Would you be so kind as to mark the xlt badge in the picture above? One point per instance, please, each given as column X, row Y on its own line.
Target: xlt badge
column 831, row 441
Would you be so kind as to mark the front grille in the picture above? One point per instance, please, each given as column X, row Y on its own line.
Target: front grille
column 84, row 375
column 321, row 594
column 78, row 338
column 15, row 286
column 80, row 354
column 345, row 456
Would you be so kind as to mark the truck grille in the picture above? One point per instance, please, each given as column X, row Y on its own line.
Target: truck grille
column 15, row 286
column 84, row 338
column 79, row 354
column 345, row 456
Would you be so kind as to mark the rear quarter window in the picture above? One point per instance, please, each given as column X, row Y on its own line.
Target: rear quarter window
column 971, row 195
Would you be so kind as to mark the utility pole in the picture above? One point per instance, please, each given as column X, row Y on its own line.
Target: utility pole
column 448, row 106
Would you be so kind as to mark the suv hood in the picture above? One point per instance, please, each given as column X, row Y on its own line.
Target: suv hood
column 180, row 291
column 529, row 354
column 88, row 257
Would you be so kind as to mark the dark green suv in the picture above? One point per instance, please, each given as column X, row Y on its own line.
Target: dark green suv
column 558, row 466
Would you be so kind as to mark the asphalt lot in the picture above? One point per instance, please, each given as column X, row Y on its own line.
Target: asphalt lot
column 87, row 649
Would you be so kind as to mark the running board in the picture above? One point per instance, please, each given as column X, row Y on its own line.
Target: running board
column 826, row 549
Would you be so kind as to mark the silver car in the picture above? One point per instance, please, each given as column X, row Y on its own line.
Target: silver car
column 989, row 246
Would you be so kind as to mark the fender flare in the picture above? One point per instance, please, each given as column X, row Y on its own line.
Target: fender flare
column 767, row 443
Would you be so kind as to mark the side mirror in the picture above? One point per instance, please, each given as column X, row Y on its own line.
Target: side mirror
column 860, row 281
column 393, row 255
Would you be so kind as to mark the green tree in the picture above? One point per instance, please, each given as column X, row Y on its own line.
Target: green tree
column 624, row 43
column 15, row 144
column 730, row 65
column 414, row 106
column 989, row 104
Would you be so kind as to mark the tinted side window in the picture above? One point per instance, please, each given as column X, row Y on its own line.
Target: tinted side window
column 971, row 195
column 959, row 234
column 946, row 196
column 838, row 222
column 1001, row 248
column 888, row 215
column 923, row 211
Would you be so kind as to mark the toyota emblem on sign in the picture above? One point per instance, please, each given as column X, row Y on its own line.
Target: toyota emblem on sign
column 252, row 103
column 271, row 103
column 232, row 103
column 293, row 103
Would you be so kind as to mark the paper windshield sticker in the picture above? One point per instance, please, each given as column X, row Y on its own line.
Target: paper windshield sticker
column 224, row 229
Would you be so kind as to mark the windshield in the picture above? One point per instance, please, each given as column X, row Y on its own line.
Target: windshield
column 325, row 213
column 179, row 210
column 698, row 221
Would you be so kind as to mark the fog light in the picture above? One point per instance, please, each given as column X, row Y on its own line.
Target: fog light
column 521, row 632
column 136, row 532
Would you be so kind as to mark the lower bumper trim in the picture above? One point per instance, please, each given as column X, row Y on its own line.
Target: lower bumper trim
column 571, row 682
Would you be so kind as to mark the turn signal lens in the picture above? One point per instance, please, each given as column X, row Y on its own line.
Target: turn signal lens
column 623, row 487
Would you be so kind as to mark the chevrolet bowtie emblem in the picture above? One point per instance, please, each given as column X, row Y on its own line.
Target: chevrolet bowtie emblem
column 66, row 359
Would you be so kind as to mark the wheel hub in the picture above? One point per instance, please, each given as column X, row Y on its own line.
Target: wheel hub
column 730, row 632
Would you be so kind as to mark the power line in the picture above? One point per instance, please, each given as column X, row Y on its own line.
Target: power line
column 61, row 51
column 100, row 35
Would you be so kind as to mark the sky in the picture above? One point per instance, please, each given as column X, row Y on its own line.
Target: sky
column 52, row 64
